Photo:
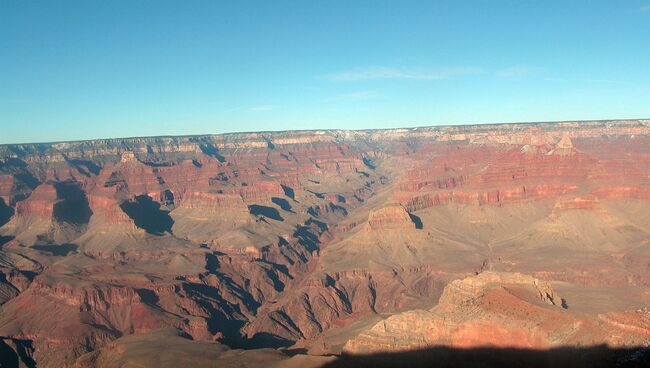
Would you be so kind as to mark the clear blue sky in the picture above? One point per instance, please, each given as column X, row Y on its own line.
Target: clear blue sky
column 99, row 68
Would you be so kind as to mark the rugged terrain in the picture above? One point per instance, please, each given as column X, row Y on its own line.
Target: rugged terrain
column 289, row 247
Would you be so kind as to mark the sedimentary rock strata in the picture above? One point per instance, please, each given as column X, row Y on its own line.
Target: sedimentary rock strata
column 390, row 218
column 503, row 310
column 269, row 240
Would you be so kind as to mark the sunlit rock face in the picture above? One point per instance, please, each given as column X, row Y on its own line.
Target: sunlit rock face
column 391, row 217
column 518, row 235
column 497, row 310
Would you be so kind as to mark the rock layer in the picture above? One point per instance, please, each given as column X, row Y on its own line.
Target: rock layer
column 497, row 310
column 276, row 239
column 390, row 218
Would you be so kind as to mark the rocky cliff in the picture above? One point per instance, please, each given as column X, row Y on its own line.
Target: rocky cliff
column 289, row 238
column 504, row 310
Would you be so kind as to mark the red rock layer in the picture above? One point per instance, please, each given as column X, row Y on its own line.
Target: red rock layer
column 254, row 220
column 497, row 310
column 392, row 217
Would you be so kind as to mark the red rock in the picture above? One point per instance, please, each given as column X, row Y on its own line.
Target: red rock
column 566, row 202
column 39, row 204
column 493, row 310
column 392, row 217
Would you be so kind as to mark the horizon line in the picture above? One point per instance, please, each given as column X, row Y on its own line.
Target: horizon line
column 446, row 125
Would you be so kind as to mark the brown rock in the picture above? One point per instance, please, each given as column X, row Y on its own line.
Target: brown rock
column 389, row 218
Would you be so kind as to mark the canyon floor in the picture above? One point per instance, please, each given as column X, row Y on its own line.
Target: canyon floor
column 479, row 245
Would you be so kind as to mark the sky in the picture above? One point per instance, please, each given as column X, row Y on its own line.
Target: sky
column 72, row 70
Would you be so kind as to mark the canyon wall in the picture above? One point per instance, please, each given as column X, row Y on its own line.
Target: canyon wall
column 274, row 239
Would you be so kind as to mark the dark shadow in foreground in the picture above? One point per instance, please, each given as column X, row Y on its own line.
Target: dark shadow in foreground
column 439, row 357
column 16, row 353
column 262, row 340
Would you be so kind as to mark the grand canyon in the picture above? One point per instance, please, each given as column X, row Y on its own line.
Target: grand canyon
column 475, row 245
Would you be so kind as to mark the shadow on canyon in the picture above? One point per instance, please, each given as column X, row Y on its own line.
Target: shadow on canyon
column 212, row 151
column 445, row 357
column 266, row 211
column 72, row 205
column 16, row 353
column 417, row 221
column 147, row 214
column 6, row 212
column 5, row 239
column 85, row 167
column 282, row 203
column 57, row 250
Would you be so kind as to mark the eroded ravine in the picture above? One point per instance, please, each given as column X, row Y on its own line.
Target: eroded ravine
column 288, row 239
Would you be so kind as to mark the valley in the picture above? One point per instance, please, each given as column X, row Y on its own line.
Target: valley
column 297, row 248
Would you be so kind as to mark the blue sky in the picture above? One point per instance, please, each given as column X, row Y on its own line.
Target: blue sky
column 94, row 69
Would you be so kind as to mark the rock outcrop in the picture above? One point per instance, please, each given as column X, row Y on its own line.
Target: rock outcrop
column 502, row 310
column 564, row 147
column 390, row 218
column 169, row 348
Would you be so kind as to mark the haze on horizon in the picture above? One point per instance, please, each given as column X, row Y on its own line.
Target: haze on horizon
column 81, row 70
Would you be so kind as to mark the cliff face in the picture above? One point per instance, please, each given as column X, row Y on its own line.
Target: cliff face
column 271, row 239
column 498, row 310
column 392, row 217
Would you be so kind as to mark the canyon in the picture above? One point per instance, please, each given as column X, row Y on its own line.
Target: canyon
column 302, row 248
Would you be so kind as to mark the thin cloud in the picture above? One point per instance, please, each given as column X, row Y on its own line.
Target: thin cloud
column 605, row 81
column 15, row 100
column 645, row 8
column 262, row 108
column 398, row 74
column 517, row 72
column 354, row 96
